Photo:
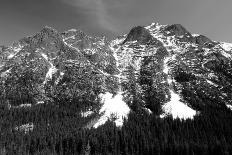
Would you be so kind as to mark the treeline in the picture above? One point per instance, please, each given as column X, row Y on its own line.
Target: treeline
column 59, row 130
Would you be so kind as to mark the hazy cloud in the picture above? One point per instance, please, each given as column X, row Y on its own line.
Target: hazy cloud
column 20, row 18
column 97, row 9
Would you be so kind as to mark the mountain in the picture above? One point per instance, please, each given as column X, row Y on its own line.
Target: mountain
column 71, row 80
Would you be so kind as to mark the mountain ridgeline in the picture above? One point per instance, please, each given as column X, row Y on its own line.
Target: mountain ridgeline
column 157, row 90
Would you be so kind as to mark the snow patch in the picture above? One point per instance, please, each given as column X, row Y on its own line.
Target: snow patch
column 44, row 56
column 72, row 30
column 148, row 111
column 113, row 106
column 17, row 50
column 177, row 109
column 117, row 42
column 52, row 70
column 59, row 78
column 40, row 102
column 229, row 106
column 70, row 37
column 150, row 26
column 195, row 35
column 226, row 46
column 86, row 113
column 10, row 56
column 154, row 27
column 25, row 128
column 24, row 106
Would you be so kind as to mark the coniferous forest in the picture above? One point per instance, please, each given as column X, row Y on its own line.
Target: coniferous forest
column 59, row 130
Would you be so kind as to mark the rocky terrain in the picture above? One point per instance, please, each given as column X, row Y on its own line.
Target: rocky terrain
column 161, row 69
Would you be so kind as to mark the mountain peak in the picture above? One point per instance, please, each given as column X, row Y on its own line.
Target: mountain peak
column 49, row 29
column 140, row 34
column 49, row 32
column 177, row 29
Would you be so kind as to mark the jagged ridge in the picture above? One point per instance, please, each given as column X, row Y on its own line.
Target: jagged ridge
column 154, row 68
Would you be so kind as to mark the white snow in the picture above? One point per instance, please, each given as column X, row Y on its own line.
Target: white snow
column 3, row 74
column 177, row 109
column 150, row 26
column 59, row 78
column 195, row 35
column 10, row 56
column 154, row 26
column 25, row 128
column 171, row 43
column 112, row 106
column 86, row 113
column 174, row 107
column 72, row 30
column 70, row 37
column 117, row 41
column 206, row 51
column 52, row 70
column 210, row 82
column 24, row 106
column 148, row 110
column 226, row 46
column 229, row 106
column 17, row 50
column 44, row 56
column 40, row 102
column 225, row 54
column 166, row 69
column 169, row 80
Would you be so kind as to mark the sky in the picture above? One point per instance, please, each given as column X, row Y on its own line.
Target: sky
column 20, row 18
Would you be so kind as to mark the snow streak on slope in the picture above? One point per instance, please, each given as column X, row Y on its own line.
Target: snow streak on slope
column 177, row 109
column 17, row 50
column 225, row 54
column 165, row 70
column 52, row 70
column 112, row 106
column 211, row 83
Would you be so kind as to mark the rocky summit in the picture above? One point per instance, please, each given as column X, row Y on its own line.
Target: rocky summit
column 158, row 70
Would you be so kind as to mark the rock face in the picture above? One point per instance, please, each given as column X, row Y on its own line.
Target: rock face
column 139, row 34
column 163, row 69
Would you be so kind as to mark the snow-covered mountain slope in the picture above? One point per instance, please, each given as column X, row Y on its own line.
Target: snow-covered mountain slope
column 163, row 69
column 175, row 66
